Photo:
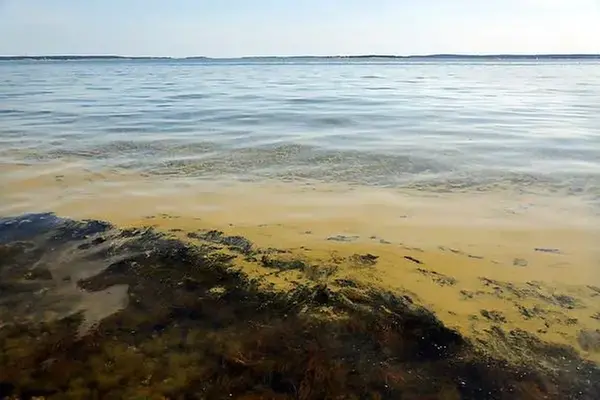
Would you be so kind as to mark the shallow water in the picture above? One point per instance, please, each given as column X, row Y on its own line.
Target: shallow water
column 451, row 125
column 471, row 187
column 92, row 311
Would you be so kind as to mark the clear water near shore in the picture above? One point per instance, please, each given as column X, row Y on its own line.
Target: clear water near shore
column 436, row 125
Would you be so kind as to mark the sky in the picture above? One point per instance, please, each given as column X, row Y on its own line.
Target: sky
column 232, row 28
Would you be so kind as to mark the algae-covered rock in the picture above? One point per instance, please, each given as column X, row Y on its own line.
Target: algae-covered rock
column 91, row 311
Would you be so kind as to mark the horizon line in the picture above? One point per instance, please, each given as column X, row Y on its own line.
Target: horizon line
column 339, row 56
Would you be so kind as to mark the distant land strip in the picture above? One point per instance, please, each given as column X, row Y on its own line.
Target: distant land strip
column 350, row 57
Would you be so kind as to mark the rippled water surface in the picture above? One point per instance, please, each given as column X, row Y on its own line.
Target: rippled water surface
column 454, row 124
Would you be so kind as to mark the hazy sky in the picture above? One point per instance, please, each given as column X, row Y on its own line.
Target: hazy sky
column 225, row 28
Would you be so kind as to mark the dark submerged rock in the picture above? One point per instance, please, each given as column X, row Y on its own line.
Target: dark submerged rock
column 342, row 238
column 547, row 250
column 495, row 316
column 440, row 279
column 595, row 290
column 589, row 340
column 412, row 259
column 175, row 338
column 531, row 290
column 364, row 259
column 235, row 243
column 310, row 271
column 533, row 312
column 347, row 283
column 520, row 262
column 566, row 301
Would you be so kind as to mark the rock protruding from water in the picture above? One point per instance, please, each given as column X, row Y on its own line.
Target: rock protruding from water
column 91, row 311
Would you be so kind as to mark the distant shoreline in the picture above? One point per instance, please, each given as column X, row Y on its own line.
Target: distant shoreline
column 351, row 57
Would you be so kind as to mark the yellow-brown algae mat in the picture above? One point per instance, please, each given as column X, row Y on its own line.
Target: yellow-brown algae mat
column 485, row 263
column 476, row 259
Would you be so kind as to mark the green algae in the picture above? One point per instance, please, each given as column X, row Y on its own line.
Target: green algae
column 193, row 326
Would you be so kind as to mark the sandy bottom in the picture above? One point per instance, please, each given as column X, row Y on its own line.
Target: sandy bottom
column 478, row 260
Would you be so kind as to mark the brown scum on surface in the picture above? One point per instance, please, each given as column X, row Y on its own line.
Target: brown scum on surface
column 174, row 319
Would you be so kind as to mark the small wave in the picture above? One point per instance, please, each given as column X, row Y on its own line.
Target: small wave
column 11, row 111
column 311, row 100
column 189, row 96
